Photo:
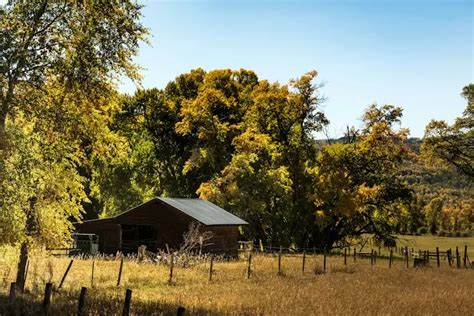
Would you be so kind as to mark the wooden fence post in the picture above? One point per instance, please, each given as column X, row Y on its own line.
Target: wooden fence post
column 47, row 297
column 279, row 261
column 249, row 265
column 304, row 260
column 65, row 274
column 12, row 296
column 120, row 272
column 390, row 259
column 170, row 280
column 407, row 257
column 181, row 311
column 25, row 275
column 458, row 259
column 128, row 301
column 324, row 260
column 465, row 256
column 82, row 302
column 92, row 274
column 355, row 254
column 345, row 256
column 448, row 254
column 211, row 265
column 437, row 256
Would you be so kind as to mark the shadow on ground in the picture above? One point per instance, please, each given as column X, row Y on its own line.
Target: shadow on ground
column 66, row 303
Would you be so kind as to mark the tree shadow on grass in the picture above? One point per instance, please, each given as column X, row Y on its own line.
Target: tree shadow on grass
column 66, row 303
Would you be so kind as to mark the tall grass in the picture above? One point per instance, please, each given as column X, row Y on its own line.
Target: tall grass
column 356, row 288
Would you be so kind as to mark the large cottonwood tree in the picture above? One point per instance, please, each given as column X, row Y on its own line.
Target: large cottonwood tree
column 358, row 186
column 59, row 61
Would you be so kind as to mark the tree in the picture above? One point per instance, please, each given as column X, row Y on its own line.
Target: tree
column 357, row 186
column 433, row 211
column 265, row 180
column 59, row 62
column 454, row 144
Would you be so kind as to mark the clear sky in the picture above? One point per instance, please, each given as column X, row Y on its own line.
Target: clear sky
column 414, row 54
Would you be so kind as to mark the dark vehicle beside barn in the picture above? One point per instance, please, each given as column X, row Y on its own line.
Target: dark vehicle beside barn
column 163, row 221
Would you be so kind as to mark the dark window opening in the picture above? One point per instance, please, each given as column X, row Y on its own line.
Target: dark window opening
column 133, row 236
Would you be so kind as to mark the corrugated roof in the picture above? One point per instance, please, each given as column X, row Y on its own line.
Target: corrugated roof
column 204, row 211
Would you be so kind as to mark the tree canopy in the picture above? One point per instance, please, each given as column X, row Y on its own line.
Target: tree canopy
column 454, row 144
column 59, row 65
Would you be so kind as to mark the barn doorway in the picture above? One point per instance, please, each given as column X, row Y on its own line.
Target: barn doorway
column 133, row 236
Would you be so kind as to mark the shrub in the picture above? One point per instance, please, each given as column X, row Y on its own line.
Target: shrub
column 423, row 230
column 450, row 234
column 442, row 233
column 457, row 234
column 466, row 234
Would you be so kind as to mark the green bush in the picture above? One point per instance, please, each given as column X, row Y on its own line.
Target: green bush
column 450, row 234
column 466, row 234
column 442, row 233
column 457, row 234
column 423, row 230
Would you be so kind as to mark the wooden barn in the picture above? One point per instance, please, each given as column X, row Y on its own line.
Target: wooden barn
column 162, row 221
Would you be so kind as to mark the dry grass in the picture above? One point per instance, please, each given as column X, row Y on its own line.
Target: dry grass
column 355, row 289
column 429, row 242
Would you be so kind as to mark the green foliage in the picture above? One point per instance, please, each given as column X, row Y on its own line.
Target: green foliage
column 454, row 144
column 59, row 62
column 358, row 188
column 41, row 189
column 423, row 230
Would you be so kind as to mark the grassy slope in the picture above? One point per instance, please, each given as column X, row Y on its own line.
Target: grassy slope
column 357, row 289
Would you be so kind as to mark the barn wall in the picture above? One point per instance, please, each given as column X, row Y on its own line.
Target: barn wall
column 169, row 223
column 225, row 240
column 108, row 232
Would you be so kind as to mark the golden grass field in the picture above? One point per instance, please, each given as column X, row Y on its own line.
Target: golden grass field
column 355, row 289
column 428, row 242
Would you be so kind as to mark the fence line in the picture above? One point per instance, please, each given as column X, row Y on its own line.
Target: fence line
column 420, row 258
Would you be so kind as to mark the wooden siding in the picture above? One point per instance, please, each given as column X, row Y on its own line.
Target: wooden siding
column 108, row 232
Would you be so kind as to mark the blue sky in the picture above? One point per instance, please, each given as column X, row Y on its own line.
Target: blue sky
column 414, row 54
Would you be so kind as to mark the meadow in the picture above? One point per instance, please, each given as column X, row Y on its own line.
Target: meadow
column 430, row 242
column 356, row 288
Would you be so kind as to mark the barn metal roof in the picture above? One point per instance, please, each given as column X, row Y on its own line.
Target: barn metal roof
column 204, row 211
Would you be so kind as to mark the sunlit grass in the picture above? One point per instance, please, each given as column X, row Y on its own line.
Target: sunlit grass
column 357, row 288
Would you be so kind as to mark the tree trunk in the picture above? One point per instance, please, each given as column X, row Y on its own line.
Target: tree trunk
column 3, row 141
column 20, row 276
column 32, row 231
